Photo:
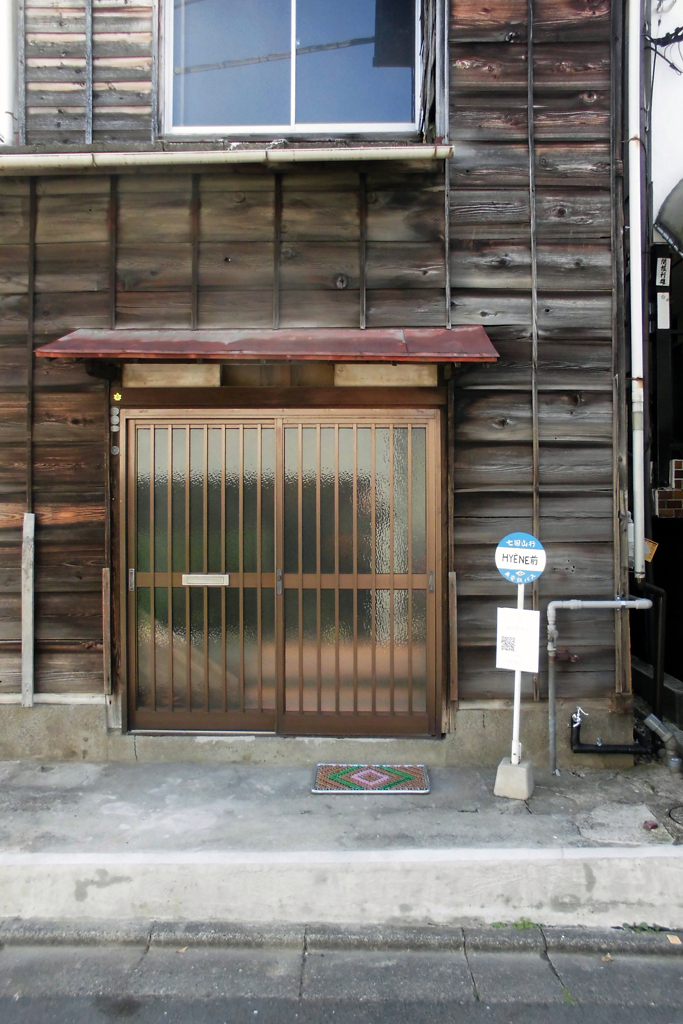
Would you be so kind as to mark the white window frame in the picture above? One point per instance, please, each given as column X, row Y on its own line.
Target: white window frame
column 279, row 130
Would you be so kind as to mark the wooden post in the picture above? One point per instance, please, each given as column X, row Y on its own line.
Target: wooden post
column 28, row 548
column 453, row 635
column 106, row 629
column 363, row 247
column 88, row 73
column 21, row 72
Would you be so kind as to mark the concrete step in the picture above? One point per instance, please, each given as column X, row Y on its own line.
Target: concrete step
column 599, row 887
column 253, row 845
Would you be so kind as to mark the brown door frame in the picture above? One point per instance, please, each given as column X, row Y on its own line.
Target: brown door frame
column 310, row 724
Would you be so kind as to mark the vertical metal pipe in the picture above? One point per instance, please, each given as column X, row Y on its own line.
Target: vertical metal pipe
column 8, row 72
column 552, row 717
column 535, row 442
column 30, row 332
column 634, row 90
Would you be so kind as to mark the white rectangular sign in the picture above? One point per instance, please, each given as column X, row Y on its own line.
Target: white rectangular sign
column 517, row 639
column 663, row 272
column 663, row 311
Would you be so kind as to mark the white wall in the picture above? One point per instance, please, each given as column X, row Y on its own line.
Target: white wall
column 667, row 106
column 8, row 35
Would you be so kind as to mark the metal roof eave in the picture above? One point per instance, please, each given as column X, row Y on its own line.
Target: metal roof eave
column 466, row 343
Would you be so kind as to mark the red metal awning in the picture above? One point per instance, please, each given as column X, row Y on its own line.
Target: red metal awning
column 411, row 345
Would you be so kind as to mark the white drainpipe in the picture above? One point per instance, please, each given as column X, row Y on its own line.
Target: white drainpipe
column 635, row 246
column 37, row 163
column 8, row 61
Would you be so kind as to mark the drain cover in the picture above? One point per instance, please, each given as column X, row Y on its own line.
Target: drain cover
column 676, row 813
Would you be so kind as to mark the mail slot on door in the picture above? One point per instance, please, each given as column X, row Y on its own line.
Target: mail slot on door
column 206, row 579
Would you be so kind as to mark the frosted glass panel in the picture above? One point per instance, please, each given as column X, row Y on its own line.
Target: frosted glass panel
column 354, row 514
column 197, row 467
column 383, row 499
column 144, row 647
column 161, row 466
column 291, row 558
column 178, row 499
column 401, row 499
column 143, row 499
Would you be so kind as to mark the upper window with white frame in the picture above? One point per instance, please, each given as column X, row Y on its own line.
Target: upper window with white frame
column 292, row 66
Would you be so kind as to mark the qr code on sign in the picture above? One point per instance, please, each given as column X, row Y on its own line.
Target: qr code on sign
column 507, row 643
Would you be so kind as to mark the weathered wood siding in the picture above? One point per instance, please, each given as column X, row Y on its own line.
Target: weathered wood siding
column 148, row 228
column 491, row 279
column 245, row 248
column 122, row 91
column 66, row 463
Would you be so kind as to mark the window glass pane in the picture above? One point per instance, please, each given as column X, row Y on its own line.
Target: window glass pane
column 354, row 61
column 231, row 62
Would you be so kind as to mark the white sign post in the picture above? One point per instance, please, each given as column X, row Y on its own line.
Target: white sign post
column 520, row 558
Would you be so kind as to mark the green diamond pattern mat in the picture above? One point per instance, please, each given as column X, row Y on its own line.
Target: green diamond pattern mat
column 371, row 778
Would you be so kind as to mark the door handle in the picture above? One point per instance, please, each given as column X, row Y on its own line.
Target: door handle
column 431, row 581
column 278, row 582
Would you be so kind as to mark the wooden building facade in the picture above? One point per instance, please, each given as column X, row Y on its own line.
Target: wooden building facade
column 518, row 231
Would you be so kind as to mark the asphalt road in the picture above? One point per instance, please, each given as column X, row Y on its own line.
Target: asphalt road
column 43, row 984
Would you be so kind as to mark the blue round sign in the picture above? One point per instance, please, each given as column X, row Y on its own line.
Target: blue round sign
column 520, row 558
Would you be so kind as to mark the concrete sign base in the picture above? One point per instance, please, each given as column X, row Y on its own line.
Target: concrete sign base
column 515, row 781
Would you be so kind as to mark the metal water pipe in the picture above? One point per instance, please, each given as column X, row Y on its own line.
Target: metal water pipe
column 635, row 251
column 573, row 605
column 8, row 67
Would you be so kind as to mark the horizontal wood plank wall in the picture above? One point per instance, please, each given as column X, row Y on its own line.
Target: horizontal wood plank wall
column 57, row 82
column 491, row 282
column 68, row 426
column 318, row 275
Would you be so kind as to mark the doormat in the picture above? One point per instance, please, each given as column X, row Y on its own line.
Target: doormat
column 371, row 778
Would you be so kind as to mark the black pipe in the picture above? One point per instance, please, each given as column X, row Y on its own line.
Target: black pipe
column 658, row 663
column 602, row 748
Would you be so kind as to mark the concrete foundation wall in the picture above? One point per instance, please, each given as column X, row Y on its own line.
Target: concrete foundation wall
column 480, row 738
